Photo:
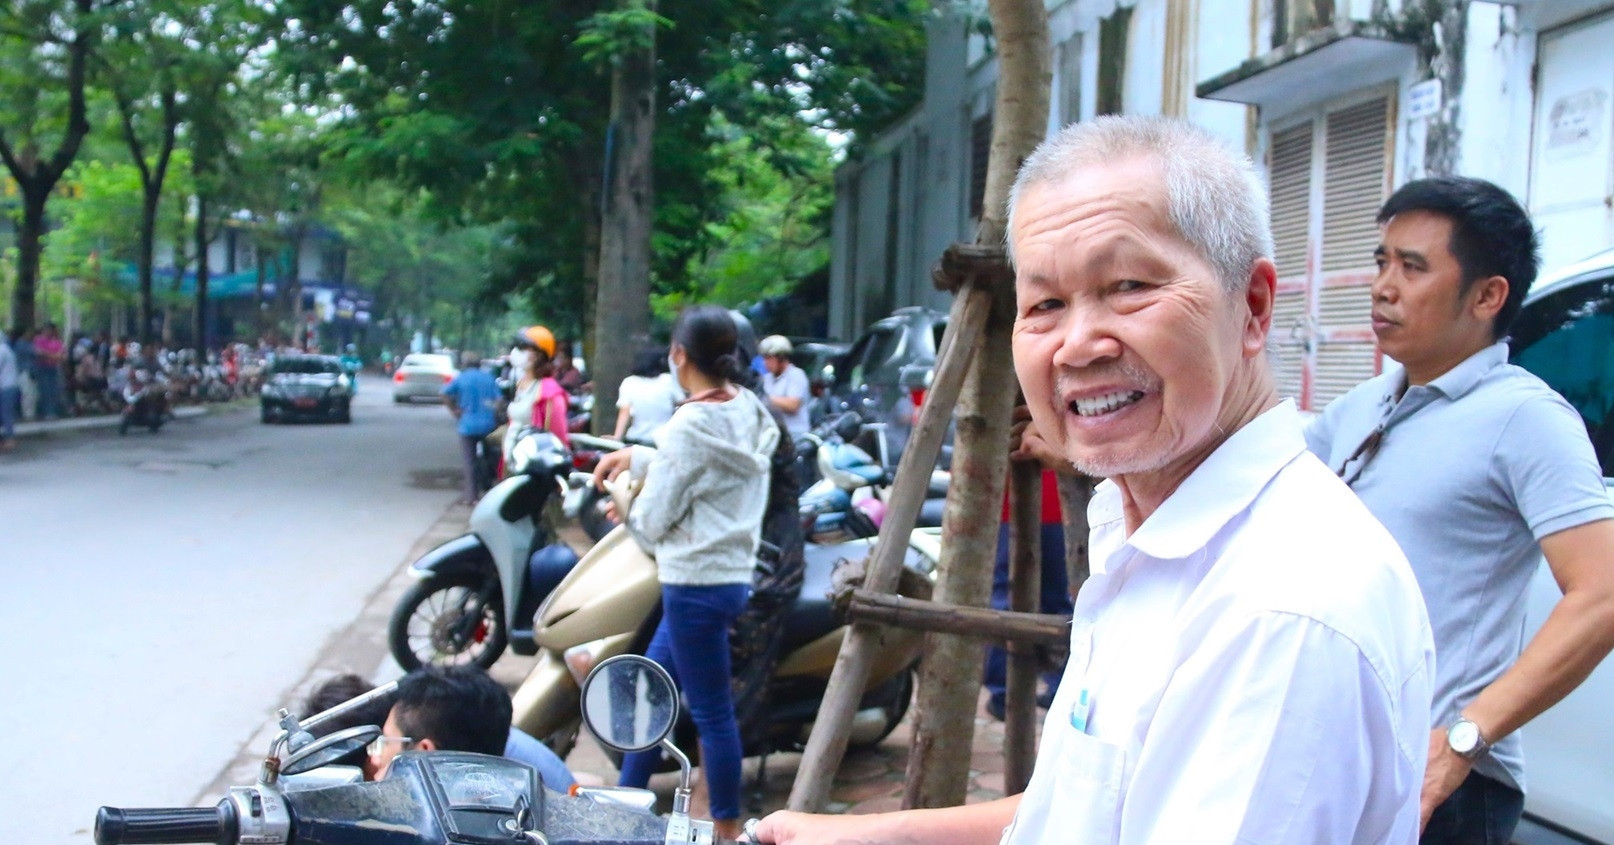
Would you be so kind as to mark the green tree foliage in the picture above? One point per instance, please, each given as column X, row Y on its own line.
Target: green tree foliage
column 769, row 226
column 45, row 48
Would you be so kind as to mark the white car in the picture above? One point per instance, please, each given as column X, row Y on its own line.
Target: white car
column 421, row 375
column 1565, row 335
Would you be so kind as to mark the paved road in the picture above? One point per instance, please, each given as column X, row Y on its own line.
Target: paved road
column 162, row 593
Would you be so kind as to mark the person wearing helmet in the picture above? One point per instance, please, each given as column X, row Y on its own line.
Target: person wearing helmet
column 538, row 400
column 784, row 384
column 351, row 364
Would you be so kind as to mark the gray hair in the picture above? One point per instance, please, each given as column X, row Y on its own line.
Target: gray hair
column 1214, row 197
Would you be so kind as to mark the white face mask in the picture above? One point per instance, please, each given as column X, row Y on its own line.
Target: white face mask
column 520, row 359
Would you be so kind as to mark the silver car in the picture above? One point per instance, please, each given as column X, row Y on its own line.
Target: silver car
column 1565, row 335
column 422, row 375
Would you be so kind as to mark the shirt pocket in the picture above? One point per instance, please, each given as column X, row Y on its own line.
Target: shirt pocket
column 1083, row 802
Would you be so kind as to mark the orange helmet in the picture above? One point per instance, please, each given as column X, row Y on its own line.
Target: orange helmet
column 537, row 337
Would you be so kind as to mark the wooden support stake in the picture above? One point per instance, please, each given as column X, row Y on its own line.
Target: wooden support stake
column 1025, row 588
column 997, row 625
column 826, row 745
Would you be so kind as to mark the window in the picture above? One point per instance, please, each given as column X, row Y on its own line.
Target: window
column 872, row 352
column 1112, row 38
column 1069, row 107
column 1328, row 174
column 1294, row 18
column 980, row 152
column 1567, row 339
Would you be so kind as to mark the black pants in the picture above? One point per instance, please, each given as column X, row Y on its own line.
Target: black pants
column 1483, row 811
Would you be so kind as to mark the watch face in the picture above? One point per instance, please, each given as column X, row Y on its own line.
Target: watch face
column 1464, row 737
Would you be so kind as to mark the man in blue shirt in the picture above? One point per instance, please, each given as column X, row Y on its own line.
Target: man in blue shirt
column 473, row 399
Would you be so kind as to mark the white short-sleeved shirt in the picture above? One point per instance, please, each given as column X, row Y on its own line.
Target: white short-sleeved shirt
column 1252, row 664
column 792, row 383
column 650, row 401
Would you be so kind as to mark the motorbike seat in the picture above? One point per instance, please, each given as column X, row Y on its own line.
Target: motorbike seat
column 930, row 513
column 812, row 616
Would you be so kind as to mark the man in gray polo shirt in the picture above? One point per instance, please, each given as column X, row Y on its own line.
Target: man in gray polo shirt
column 1477, row 468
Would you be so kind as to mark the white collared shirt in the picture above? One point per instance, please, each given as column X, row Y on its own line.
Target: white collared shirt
column 1255, row 662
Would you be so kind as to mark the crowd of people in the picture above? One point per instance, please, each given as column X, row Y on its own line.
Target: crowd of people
column 45, row 377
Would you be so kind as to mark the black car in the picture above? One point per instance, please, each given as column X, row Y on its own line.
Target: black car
column 817, row 358
column 307, row 386
column 885, row 375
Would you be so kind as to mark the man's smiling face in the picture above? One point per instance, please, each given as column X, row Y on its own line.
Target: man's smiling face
column 1125, row 342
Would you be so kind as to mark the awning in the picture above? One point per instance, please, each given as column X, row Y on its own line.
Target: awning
column 1321, row 65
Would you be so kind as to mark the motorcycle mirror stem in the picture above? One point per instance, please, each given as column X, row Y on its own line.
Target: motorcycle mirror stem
column 291, row 728
column 681, row 829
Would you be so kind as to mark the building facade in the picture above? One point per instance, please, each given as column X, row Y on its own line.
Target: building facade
column 1338, row 101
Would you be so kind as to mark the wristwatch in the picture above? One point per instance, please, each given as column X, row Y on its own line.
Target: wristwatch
column 1465, row 738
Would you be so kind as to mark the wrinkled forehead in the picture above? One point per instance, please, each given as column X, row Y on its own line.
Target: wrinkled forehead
column 1133, row 189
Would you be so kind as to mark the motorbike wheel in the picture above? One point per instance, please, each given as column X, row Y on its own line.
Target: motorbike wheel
column 591, row 514
column 429, row 624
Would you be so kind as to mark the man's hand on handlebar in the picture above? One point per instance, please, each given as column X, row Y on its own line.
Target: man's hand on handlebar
column 791, row 828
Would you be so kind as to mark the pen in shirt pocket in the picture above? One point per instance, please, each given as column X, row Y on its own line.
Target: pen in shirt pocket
column 1079, row 710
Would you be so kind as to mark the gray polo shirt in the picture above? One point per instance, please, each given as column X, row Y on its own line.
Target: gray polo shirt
column 1469, row 473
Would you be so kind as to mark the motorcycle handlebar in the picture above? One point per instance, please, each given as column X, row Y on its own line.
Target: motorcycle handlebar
column 165, row 825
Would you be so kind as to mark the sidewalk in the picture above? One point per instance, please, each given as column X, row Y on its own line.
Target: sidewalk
column 870, row 780
column 39, row 428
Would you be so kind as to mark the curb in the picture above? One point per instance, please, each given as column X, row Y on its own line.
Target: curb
column 68, row 425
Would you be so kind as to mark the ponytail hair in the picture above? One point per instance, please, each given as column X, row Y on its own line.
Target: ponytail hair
column 710, row 342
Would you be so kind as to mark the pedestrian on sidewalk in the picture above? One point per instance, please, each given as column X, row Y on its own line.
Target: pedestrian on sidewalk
column 48, row 356
column 10, row 395
column 22, row 343
column 473, row 398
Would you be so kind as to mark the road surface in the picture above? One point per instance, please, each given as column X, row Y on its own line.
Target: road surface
column 162, row 593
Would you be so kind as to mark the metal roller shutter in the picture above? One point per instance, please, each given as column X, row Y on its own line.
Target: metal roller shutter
column 1290, row 331
column 1340, row 367
column 1290, row 169
column 1354, row 171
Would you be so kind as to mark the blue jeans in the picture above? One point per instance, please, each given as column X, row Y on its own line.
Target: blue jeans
column 1483, row 811
column 692, row 642
column 1055, row 598
column 10, row 404
column 49, row 382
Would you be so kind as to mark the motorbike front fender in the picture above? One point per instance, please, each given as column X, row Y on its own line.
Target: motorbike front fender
column 547, row 700
column 463, row 555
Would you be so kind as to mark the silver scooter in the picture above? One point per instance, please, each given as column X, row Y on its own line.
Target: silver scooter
column 477, row 593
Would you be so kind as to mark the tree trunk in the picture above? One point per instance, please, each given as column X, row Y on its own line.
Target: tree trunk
column 262, row 256
column 148, row 249
column 201, row 272
column 622, row 305
column 23, row 303
column 938, row 765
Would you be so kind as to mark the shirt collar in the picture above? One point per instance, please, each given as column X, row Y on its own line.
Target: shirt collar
column 1462, row 378
column 1218, row 490
column 1458, row 380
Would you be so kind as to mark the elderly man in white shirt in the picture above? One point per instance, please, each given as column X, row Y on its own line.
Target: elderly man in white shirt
column 1251, row 660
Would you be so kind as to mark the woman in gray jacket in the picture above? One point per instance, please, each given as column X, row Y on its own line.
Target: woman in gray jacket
column 700, row 515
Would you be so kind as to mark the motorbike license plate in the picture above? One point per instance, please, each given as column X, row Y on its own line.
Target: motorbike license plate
column 304, row 403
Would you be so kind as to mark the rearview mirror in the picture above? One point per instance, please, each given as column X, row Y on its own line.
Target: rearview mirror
column 630, row 703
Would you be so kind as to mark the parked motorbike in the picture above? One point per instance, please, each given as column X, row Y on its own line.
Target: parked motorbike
column 145, row 402
column 477, row 594
column 436, row 797
column 847, row 499
column 610, row 605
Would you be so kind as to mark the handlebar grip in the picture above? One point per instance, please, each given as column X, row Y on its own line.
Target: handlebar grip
column 166, row 825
